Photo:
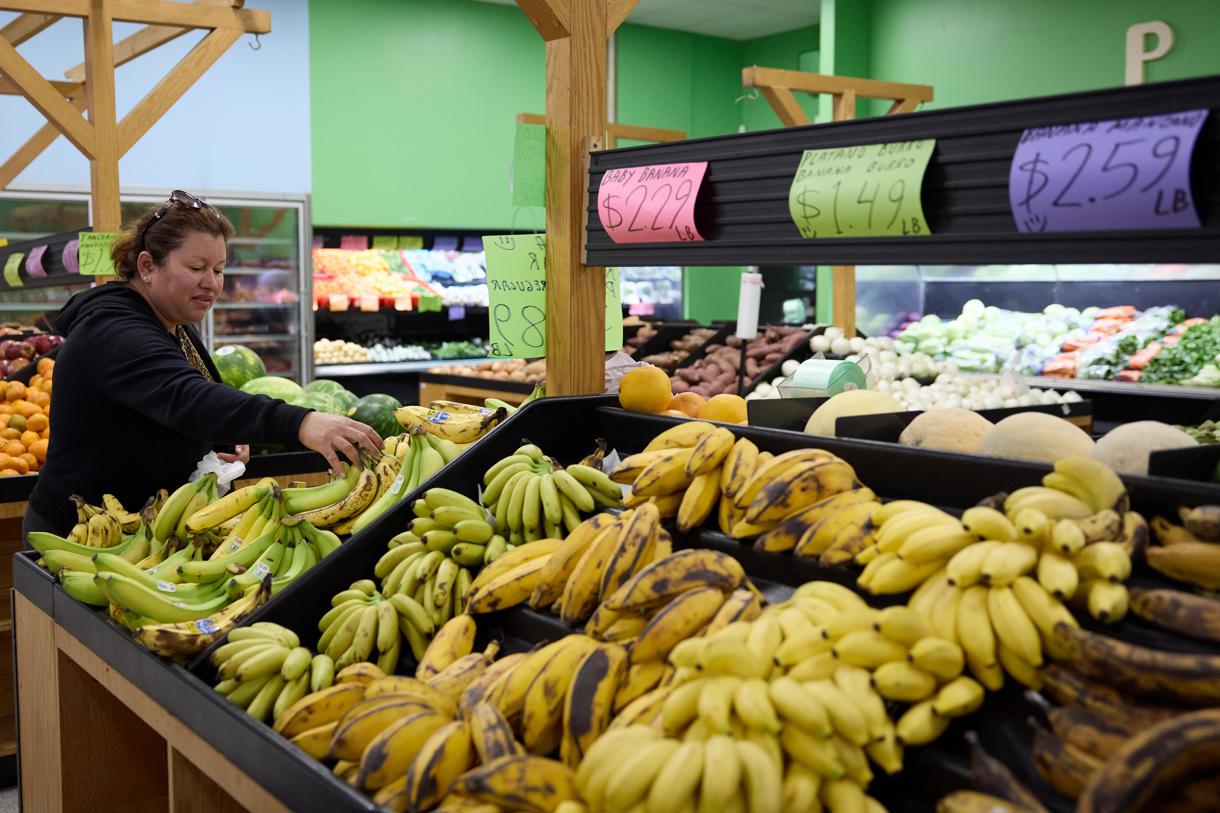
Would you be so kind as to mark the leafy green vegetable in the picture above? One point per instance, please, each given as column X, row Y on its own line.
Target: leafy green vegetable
column 1199, row 346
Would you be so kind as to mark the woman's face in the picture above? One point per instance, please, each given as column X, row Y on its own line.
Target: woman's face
column 187, row 284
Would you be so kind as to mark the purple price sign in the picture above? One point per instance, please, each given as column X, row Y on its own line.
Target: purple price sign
column 1106, row 175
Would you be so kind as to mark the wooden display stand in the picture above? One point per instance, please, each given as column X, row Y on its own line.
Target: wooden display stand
column 91, row 740
column 464, row 393
column 777, row 87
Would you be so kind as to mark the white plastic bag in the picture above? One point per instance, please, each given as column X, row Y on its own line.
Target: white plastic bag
column 225, row 473
column 617, row 366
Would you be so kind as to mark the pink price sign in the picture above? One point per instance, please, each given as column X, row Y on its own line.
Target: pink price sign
column 653, row 204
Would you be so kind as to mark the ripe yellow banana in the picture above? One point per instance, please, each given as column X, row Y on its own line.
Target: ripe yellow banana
column 1013, row 626
column 686, row 435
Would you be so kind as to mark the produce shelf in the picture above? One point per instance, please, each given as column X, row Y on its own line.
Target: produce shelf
column 384, row 367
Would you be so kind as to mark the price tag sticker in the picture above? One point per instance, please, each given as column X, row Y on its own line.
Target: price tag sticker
column 12, row 269
column 69, row 256
column 516, row 286
column 652, row 204
column 94, row 252
column 167, row 587
column 1117, row 174
column 869, row 190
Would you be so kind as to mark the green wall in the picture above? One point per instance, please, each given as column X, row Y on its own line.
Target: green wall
column 974, row 52
column 792, row 50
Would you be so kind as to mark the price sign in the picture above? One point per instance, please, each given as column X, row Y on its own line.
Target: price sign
column 12, row 269
column 33, row 263
column 338, row 302
column 457, row 312
column 410, row 242
column 653, row 204
column 94, row 252
column 614, row 310
column 516, row 286
column 871, row 190
column 354, row 242
column 370, row 303
column 69, row 256
column 402, row 303
column 383, row 242
column 529, row 165
column 1106, row 175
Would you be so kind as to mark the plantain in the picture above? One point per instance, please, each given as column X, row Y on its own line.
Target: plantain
column 1196, row 563
column 1154, row 761
column 970, row 801
column 1178, row 611
column 993, row 776
column 1089, row 731
column 1070, row 688
column 1064, row 767
column 1184, row 678
column 1202, row 521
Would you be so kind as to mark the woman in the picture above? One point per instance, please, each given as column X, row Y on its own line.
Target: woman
column 137, row 399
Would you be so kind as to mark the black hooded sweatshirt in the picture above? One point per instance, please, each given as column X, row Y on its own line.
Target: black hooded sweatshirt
column 130, row 414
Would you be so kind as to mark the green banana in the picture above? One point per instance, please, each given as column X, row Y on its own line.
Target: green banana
column 299, row 500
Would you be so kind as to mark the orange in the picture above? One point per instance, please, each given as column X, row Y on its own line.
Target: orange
column 724, row 407
column 688, row 403
column 9, row 434
column 28, row 437
column 31, row 461
column 14, row 448
column 645, row 389
column 675, row 413
column 5, row 408
column 35, row 382
column 19, row 464
column 45, row 366
column 14, row 390
column 37, row 423
column 26, row 408
column 46, row 387
column 16, row 422
column 39, row 449
column 42, row 400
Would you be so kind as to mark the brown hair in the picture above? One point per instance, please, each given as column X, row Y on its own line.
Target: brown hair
column 160, row 237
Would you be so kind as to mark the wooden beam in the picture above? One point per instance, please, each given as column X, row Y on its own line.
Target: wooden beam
column 845, row 105
column 785, row 105
column 99, row 98
column 576, row 120
column 903, row 106
column 617, row 131
column 531, row 118
column 170, row 89
column 66, row 89
column 191, row 15
column 63, row 8
column 843, row 298
column 551, row 18
column 146, row 39
column 43, row 95
column 34, row 147
column 617, row 13
column 824, row 83
column 26, row 26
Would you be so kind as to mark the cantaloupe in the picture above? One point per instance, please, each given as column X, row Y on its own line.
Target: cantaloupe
column 950, row 430
column 1036, row 436
column 846, row 404
column 1126, row 449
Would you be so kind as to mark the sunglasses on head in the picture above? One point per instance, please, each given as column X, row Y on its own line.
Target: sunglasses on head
column 176, row 197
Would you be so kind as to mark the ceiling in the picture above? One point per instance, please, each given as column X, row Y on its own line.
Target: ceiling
column 730, row 19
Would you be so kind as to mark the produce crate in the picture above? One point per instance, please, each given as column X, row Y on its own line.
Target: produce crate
column 666, row 333
column 798, row 353
column 1193, row 463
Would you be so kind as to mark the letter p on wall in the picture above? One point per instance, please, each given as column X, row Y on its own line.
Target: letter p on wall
column 1137, row 56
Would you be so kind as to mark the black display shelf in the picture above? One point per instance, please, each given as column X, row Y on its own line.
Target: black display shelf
column 742, row 210
column 57, row 274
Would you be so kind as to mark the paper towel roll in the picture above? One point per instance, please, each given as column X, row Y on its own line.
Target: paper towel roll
column 747, row 305
column 829, row 376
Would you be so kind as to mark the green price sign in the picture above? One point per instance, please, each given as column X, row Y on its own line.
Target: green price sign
column 516, row 284
column 12, row 270
column 94, row 256
column 529, row 165
column 871, row 190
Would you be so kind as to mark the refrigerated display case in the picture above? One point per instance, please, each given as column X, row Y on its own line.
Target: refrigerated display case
column 267, row 302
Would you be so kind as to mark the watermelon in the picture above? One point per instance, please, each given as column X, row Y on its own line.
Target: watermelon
column 319, row 402
column 377, row 410
column 274, row 386
column 346, row 401
column 238, row 364
column 324, row 385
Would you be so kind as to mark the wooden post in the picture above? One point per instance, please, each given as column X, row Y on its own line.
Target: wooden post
column 778, row 86
column 99, row 101
column 576, row 33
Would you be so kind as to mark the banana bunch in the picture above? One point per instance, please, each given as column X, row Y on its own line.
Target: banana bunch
column 638, row 768
column 342, row 503
column 834, row 529
column 420, row 455
column 170, row 519
column 102, row 526
column 1189, row 552
column 73, row 562
column 264, row 669
column 360, row 622
column 450, row 420
column 183, row 639
column 532, row 497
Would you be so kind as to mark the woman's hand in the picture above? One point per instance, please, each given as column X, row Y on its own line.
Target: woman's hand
column 240, row 454
column 334, row 435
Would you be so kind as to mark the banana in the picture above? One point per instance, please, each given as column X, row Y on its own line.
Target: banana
column 1178, row 611
column 798, row 487
column 686, row 435
column 679, row 619
column 847, row 718
column 720, row 783
column 762, row 776
column 859, row 687
column 1196, row 563
column 300, row 500
column 892, row 532
column 868, row 649
column 542, row 705
column 1055, row 504
column 816, row 526
column 523, row 782
column 453, row 680
column 588, row 705
column 772, row 468
column 390, row 754
column 842, row 598
column 452, row 641
column 965, row 568
column 920, row 724
column 816, row 755
column 988, row 523
column 509, row 588
column 1057, row 575
column 942, row 614
column 1104, row 487
column 1106, row 601
column 1034, row 527
column 633, row 551
column 511, row 559
column 934, row 544
column 677, row 784
column 899, row 680
column 319, row 708
column 231, row 505
column 442, row 760
column 665, row 475
column 491, row 734
column 976, row 634
column 798, row 707
column 708, row 455
column 183, row 639
column 738, row 466
column 1043, row 609
column 1005, row 563
column 1013, row 626
column 171, row 513
column 356, row 500
column 571, row 488
column 600, row 487
column 898, row 575
column 855, row 619
column 662, row 580
column 1067, row 537
column 1064, row 767
column 961, row 696
column 698, row 500
column 456, row 427
column 1103, row 560
column 970, row 801
column 630, row 782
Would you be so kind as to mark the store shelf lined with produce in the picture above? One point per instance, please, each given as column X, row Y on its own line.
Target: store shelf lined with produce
column 298, row 782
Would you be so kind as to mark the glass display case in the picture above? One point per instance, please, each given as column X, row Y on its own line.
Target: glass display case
column 266, row 304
